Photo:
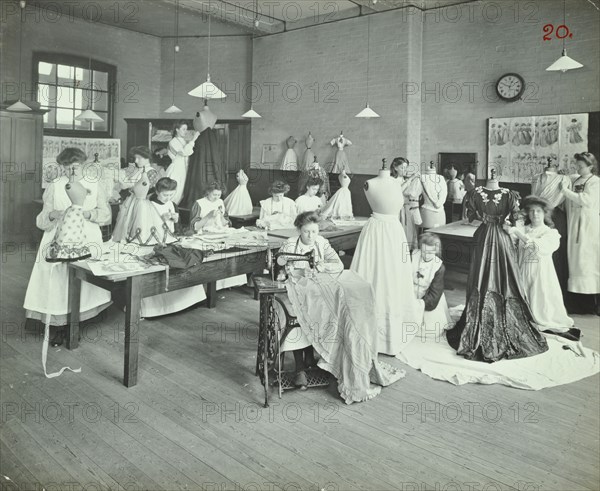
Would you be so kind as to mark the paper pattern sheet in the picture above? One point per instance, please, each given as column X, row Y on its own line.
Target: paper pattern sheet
column 109, row 159
column 518, row 148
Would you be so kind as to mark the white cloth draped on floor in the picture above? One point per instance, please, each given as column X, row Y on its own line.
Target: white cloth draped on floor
column 557, row 366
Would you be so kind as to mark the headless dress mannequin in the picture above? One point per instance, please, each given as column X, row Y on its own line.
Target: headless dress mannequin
column 492, row 183
column 435, row 192
column 382, row 193
column 390, row 275
column 204, row 119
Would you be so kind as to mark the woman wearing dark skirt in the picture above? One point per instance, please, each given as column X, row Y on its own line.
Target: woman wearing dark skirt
column 497, row 322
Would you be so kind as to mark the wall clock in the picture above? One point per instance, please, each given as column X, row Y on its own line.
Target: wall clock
column 510, row 87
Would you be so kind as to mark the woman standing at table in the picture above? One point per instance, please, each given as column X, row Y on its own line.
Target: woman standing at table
column 47, row 291
column 411, row 188
column 179, row 151
column 583, row 209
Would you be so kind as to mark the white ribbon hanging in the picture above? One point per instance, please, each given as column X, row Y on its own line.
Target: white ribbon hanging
column 47, row 338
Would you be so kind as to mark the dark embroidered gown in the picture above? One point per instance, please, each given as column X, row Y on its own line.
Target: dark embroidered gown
column 497, row 322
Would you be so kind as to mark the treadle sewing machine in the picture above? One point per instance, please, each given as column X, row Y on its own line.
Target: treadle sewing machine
column 277, row 269
column 277, row 320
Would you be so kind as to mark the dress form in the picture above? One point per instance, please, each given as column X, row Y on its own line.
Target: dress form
column 204, row 119
column 492, row 183
column 309, row 155
column 382, row 193
column 340, row 162
column 435, row 192
column 290, row 159
column 389, row 274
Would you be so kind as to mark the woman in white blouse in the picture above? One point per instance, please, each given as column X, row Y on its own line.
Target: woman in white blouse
column 583, row 221
column 179, row 151
column 277, row 212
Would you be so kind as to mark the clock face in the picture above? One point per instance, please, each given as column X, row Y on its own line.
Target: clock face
column 510, row 87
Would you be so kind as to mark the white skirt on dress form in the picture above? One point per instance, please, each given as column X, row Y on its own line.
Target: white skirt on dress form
column 382, row 258
column 339, row 206
column 50, row 294
column 238, row 202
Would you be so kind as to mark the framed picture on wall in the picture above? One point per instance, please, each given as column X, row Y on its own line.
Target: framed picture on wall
column 464, row 163
column 270, row 156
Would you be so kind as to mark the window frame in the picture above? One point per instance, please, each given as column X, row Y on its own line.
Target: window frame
column 85, row 63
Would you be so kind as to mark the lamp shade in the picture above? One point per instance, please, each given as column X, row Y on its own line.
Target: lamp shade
column 564, row 63
column 207, row 90
column 19, row 107
column 251, row 114
column 88, row 115
column 367, row 112
column 173, row 109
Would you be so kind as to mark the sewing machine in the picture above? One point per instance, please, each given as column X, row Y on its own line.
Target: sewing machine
column 277, row 268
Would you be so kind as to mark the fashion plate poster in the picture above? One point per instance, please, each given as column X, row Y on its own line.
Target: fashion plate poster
column 519, row 148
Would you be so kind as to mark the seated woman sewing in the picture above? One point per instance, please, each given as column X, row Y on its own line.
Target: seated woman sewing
column 326, row 260
column 335, row 312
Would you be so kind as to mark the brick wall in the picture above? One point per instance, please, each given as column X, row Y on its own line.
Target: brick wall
column 229, row 69
column 136, row 56
column 317, row 78
column 473, row 45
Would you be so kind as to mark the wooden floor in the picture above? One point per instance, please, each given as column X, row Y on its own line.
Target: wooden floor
column 195, row 420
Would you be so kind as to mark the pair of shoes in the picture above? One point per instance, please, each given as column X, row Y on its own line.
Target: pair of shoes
column 301, row 381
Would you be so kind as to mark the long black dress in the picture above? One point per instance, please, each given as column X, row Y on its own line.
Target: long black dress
column 497, row 322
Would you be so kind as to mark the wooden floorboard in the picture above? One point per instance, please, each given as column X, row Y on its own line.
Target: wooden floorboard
column 195, row 420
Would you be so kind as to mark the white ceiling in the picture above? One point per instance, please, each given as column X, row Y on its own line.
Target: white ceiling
column 157, row 17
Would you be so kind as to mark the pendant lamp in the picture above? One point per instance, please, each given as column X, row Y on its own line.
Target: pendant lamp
column 20, row 106
column 367, row 112
column 564, row 63
column 173, row 109
column 208, row 90
column 251, row 113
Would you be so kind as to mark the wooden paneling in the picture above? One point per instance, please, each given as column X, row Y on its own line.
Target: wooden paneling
column 21, row 159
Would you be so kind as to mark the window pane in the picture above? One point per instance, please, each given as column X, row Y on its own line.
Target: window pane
column 66, row 97
column 65, row 75
column 82, row 78
column 81, row 99
column 50, row 119
column 47, row 95
column 99, row 101
column 47, row 72
column 64, row 118
column 100, row 80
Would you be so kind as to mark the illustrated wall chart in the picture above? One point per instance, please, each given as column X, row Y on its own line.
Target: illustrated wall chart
column 518, row 148
column 105, row 170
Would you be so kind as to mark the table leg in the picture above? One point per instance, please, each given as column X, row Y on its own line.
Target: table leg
column 262, row 323
column 211, row 294
column 266, row 366
column 74, row 308
column 133, row 299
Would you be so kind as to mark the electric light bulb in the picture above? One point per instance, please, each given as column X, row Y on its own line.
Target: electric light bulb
column 176, row 48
